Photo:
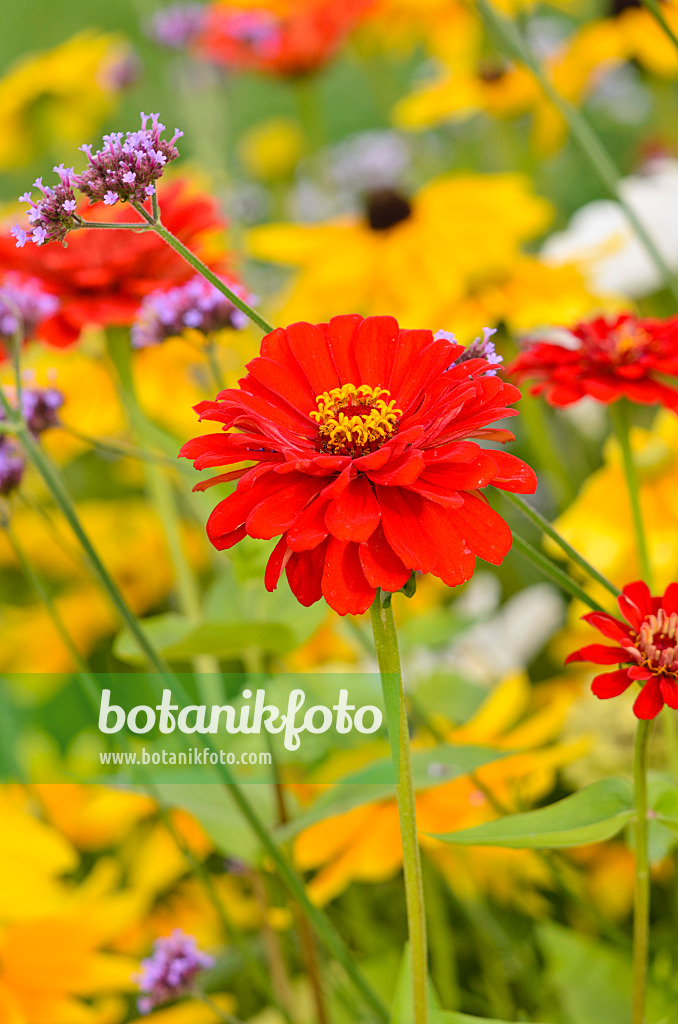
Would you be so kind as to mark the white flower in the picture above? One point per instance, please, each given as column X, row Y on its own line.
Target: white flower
column 600, row 240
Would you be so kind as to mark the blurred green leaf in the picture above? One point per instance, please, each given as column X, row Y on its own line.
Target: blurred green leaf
column 596, row 813
column 430, row 768
column 178, row 639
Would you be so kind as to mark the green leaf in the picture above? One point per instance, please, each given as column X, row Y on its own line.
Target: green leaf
column 596, row 813
column 179, row 640
column 664, row 802
column 430, row 768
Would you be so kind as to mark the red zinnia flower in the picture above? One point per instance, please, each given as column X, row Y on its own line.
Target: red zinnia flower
column 609, row 357
column 102, row 276
column 284, row 39
column 360, row 437
column 646, row 651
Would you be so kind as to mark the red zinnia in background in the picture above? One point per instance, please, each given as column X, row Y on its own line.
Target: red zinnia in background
column 608, row 358
column 360, row 434
column 646, row 651
column 102, row 276
column 282, row 39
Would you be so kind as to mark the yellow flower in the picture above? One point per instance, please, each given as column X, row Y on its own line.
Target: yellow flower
column 131, row 543
column 364, row 844
column 56, row 98
column 608, row 541
column 55, row 935
column 272, row 149
column 449, row 255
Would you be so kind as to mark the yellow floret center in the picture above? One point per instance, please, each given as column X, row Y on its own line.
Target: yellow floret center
column 355, row 420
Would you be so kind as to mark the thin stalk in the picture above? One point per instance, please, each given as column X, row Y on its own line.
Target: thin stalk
column 550, row 569
column 63, row 501
column 206, row 667
column 119, row 449
column 641, row 901
column 222, row 1015
column 582, row 133
column 386, row 644
column 274, row 953
column 114, row 226
column 620, row 421
column 543, row 524
column 203, row 269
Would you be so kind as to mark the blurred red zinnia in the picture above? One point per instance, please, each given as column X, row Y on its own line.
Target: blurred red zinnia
column 282, row 39
column 607, row 358
column 102, row 276
column 360, row 437
column 646, row 649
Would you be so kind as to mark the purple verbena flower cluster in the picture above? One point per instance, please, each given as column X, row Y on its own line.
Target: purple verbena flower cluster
column 53, row 216
column 171, row 970
column 480, row 348
column 23, row 306
column 196, row 304
column 128, row 166
column 39, row 408
column 178, row 25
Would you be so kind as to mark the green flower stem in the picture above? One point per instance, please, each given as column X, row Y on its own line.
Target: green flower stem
column 202, row 268
column 654, row 8
column 386, row 644
column 581, row 131
column 206, row 668
column 620, row 420
column 554, row 572
column 641, row 903
column 543, row 524
column 136, row 225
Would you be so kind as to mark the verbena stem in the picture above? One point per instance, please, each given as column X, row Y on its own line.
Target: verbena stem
column 386, row 644
column 641, row 903
column 543, row 524
column 620, row 421
column 202, row 268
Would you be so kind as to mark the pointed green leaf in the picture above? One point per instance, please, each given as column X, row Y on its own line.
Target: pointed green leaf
column 596, row 813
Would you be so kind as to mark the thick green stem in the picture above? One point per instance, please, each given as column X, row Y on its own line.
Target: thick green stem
column 583, row 135
column 641, row 913
column 554, row 572
column 543, row 524
column 620, row 420
column 386, row 644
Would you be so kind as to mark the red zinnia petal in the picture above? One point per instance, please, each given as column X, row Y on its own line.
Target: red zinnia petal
column 276, row 563
column 309, row 346
column 635, row 602
column 513, row 474
column 381, row 565
column 669, row 690
column 304, row 572
column 649, row 701
column 485, row 531
column 670, row 599
column 599, row 654
column 607, row 625
column 344, row 585
column 610, row 684
column 278, row 511
column 355, row 514
column 309, row 529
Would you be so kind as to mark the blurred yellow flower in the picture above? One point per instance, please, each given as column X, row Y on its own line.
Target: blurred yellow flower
column 271, row 149
column 57, row 99
column 450, row 255
column 55, row 934
column 364, row 845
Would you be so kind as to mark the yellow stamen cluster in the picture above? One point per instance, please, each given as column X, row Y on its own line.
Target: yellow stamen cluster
column 355, row 420
column 630, row 341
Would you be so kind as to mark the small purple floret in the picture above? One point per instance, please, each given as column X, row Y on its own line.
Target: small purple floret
column 196, row 304
column 39, row 407
column 129, row 164
column 177, row 26
column 52, row 216
column 171, row 970
column 23, row 306
column 480, row 348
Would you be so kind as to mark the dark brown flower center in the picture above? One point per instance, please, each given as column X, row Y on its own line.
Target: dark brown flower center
column 386, row 208
column 491, row 69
